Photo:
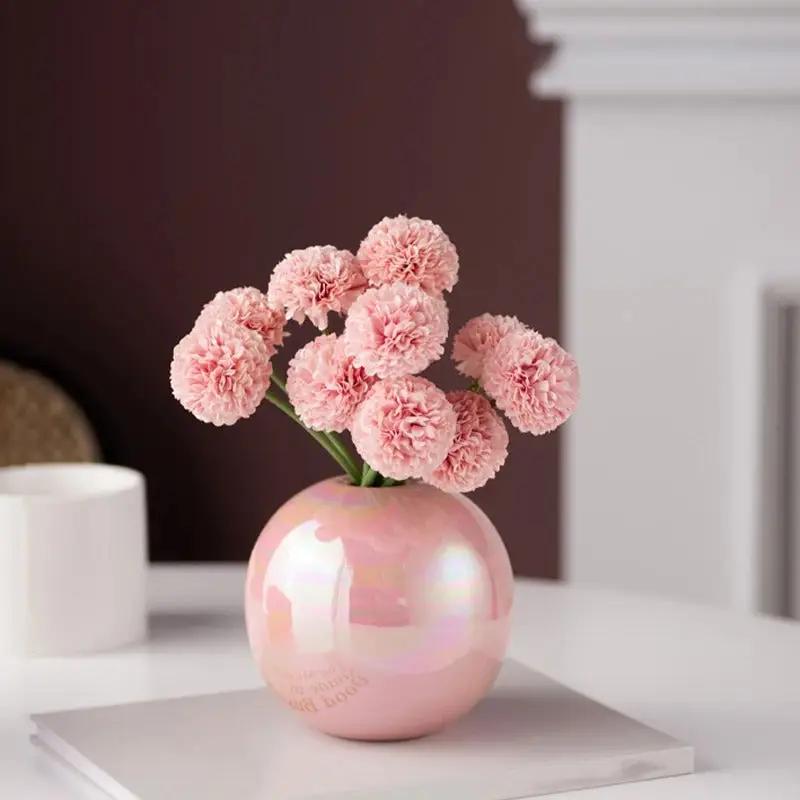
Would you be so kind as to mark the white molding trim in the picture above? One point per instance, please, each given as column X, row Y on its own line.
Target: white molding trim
column 758, row 367
column 703, row 48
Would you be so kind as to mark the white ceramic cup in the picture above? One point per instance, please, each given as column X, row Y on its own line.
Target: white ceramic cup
column 73, row 554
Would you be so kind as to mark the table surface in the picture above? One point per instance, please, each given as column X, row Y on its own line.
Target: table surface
column 728, row 684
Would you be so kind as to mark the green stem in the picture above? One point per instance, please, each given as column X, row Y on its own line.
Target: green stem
column 278, row 380
column 334, row 440
column 344, row 450
column 321, row 439
column 368, row 475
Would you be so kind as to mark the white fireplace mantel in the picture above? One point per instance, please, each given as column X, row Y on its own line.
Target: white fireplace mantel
column 668, row 47
column 682, row 192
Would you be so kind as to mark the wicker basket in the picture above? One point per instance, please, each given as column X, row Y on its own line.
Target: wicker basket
column 39, row 422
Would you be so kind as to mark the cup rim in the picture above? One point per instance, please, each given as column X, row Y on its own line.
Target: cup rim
column 66, row 481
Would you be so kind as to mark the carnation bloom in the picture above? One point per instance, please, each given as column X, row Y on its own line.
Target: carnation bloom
column 249, row 307
column 533, row 380
column 220, row 371
column 404, row 427
column 479, row 448
column 395, row 330
column 312, row 282
column 477, row 337
column 324, row 385
column 411, row 250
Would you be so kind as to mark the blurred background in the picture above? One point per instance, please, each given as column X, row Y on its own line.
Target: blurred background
column 154, row 153
column 624, row 175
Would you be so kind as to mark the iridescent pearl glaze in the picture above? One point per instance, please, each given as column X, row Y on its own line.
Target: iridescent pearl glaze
column 379, row 613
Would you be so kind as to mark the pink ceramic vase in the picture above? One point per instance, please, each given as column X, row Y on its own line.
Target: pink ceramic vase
column 379, row 613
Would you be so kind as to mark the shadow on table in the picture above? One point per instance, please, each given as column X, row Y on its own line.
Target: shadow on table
column 716, row 731
column 181, row 627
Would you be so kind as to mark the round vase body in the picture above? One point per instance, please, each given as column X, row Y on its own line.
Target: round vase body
column 379, row 613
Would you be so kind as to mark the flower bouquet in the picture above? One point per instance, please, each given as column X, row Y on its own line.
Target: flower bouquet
column 339, row 572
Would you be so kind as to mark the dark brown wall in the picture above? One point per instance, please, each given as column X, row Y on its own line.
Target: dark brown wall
column 153, row 153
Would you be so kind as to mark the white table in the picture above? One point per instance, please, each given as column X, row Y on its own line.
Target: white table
column 726, row 683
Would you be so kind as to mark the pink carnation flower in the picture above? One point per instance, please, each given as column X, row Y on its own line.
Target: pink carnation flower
column 220, row 371
column 395, row 330
column 324, row 385
column 404, row 427
column 312, row 282
column 247, row 306
column 479, row 448
column 477, row 337
column 533, row 380
column 410, row 250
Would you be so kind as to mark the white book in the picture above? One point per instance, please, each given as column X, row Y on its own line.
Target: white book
column 530, row 736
